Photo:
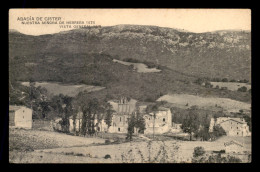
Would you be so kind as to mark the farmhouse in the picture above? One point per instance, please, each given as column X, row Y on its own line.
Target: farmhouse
column 232, row 126
column 20, row 116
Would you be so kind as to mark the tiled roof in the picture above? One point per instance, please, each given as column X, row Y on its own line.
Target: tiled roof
column 233, row 142
column 163, row 109
column 236, row 120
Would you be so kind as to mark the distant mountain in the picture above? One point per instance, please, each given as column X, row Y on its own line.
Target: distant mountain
column 211, row 54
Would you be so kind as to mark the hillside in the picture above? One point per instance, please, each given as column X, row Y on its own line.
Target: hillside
column 212, row 54
column 85, row 56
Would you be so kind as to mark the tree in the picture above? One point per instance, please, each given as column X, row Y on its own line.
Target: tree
column 198, row 151
column 45, row 108
column 152, row 109
column 109, row 115
column 203, row 134
column 190, row 124
column 218, row 131
column 140, row 122
column 130, row 128
column 63, row 106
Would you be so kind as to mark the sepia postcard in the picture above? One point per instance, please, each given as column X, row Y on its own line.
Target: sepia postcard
column 130, row 86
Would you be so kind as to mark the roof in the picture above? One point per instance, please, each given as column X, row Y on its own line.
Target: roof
column 234, row 119
column 233, row 142
column 14, row 108
column 144, row 103
column 163, row 109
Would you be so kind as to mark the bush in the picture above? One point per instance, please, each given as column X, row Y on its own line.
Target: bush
column 224, row 80
column 107, row 142
column 199, row 81
column 223, row 88
column 79, row 154
column 217, row 159
column 246, row 81
column 198, row 151
column 107, row 156
column 208, row 85
column 242, row 89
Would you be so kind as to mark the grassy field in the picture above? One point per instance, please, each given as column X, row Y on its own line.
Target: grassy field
column 51, row 147
column 141, row 68
column 65, row 89
column 22, row 139
column 206, row 102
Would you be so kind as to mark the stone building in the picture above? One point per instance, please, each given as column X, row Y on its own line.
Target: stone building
column 232, row 126
column 158, row 122
column 20, row 116
column 123, row 108
column 102, row 126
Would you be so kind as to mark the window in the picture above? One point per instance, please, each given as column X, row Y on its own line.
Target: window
column 149, row 118
column 120, row 119
column 23, row 111
column 118, row 129
column 237, row 133
column 237, row 127
column 23, row 117
column 163, row 119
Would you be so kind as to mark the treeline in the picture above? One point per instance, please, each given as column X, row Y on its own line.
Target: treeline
column 207, row 79
column 196, row 122
column 207, row 84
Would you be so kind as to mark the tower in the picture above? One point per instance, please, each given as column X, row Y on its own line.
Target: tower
column 123, row 106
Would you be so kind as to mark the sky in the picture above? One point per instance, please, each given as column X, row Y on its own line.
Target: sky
column 193, row 20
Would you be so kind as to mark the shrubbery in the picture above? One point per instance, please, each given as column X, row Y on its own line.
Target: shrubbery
column 216, row 159
column 242, row 89
column 198, row 151
column 218, row 131
column 224, row 80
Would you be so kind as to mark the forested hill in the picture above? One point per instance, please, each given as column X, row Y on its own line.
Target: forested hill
column 223, row 54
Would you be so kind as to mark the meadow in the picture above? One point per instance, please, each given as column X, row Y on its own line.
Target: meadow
column 206, row 102
column 65, row 89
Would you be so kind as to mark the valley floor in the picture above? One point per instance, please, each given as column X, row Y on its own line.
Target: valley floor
column 52, row 147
